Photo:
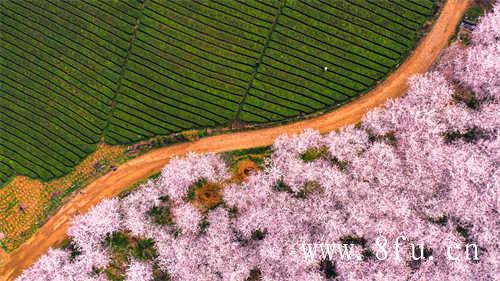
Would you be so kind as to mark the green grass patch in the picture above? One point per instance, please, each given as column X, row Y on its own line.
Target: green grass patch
column 313, row 154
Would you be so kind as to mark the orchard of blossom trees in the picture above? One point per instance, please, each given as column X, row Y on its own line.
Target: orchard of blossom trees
column 425, row 167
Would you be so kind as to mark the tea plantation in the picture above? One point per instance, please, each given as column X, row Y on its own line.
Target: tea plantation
column 75, row 73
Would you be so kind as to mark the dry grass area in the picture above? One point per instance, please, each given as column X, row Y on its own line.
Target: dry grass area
column 25, row 203
column 245, row 168
column 209, row 195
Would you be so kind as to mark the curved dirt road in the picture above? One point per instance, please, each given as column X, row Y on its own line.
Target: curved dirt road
column 141, row 167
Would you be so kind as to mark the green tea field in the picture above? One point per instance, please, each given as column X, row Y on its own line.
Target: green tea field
column 74, row 74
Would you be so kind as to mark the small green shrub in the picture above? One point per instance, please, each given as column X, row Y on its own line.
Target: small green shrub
column 327, row 267
column 471, row 135
column 123, row 246
column 258, row 234
column 368, row 254
column 73, row 249
column 463, row 230
column 254, row 275
column 473, row 13
column 442, row 220
column 308, row 188
column 161, row 215
column 353, row 239
column 342, row 165
column 191, row 194
column 465, row 95
column 144, row 249
column 281, row 186
column 203, row 226
column 117, row 240
column 160, row 275
column 314, row 153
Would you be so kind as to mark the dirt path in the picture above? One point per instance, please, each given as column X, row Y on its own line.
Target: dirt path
column 141, row 167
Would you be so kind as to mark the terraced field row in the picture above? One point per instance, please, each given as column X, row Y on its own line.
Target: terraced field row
column 59, row 67
column 75, row 73
column 358, row 41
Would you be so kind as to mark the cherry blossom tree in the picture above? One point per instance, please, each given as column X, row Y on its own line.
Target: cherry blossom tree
column 181, row 173
column 89, row 230
column 187, row 217
column 139, row 271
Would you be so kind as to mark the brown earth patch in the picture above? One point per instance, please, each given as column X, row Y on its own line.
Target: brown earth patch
column 244, row 168
column 208, row 196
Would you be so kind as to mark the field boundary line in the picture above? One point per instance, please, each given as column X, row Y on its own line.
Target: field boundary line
column 259, row 61
column 123, row 68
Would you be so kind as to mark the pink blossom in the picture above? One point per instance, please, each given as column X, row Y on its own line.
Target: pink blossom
column 181, row 173
column 89, row 230
column 136, row 206
column 139, row 271
column 187, row 217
